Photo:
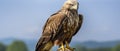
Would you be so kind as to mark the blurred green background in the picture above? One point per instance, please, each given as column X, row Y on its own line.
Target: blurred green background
column 19, row 45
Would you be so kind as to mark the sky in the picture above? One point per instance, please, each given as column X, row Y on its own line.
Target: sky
column 24, row 19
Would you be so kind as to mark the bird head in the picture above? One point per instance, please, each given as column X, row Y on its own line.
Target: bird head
column 71, row 4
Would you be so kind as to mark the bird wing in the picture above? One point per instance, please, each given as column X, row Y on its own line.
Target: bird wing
column 51, row 28
column 79, row 24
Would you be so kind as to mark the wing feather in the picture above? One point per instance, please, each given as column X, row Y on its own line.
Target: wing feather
column 79, row 24
column 51, row 28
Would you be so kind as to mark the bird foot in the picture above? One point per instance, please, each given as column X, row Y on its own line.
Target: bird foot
column 61, row 48
column 65, row 49
column 68, row 47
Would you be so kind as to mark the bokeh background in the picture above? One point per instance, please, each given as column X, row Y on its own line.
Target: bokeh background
column 21, row 23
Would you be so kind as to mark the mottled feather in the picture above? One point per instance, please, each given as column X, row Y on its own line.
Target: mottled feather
column 51, row 29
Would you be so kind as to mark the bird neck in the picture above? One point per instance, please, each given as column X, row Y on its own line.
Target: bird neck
column 68, row 11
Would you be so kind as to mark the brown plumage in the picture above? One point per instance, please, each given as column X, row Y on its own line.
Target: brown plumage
column 61, row 26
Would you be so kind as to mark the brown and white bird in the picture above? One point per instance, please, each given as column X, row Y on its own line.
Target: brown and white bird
column 61, row 27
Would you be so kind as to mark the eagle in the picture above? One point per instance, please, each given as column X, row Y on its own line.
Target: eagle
column 60, row 27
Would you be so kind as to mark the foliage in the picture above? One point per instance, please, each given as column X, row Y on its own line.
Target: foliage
column 116, row 48
column 17, row 46
column 21, row 46
column 100, row 49
column 79, row 48
column 2, row 47
column 82, row 48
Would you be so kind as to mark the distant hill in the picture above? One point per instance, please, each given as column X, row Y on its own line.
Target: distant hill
column 89, row 44
column 94, row 44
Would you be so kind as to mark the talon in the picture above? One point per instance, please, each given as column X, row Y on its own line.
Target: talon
column 68, row 47
column 61, row 47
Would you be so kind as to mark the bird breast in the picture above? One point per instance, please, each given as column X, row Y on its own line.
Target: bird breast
column 72, row 22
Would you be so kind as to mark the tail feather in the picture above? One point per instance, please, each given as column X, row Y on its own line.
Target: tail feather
column 43, row 45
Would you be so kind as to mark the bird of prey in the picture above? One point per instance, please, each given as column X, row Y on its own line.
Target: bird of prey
column 61, row 27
